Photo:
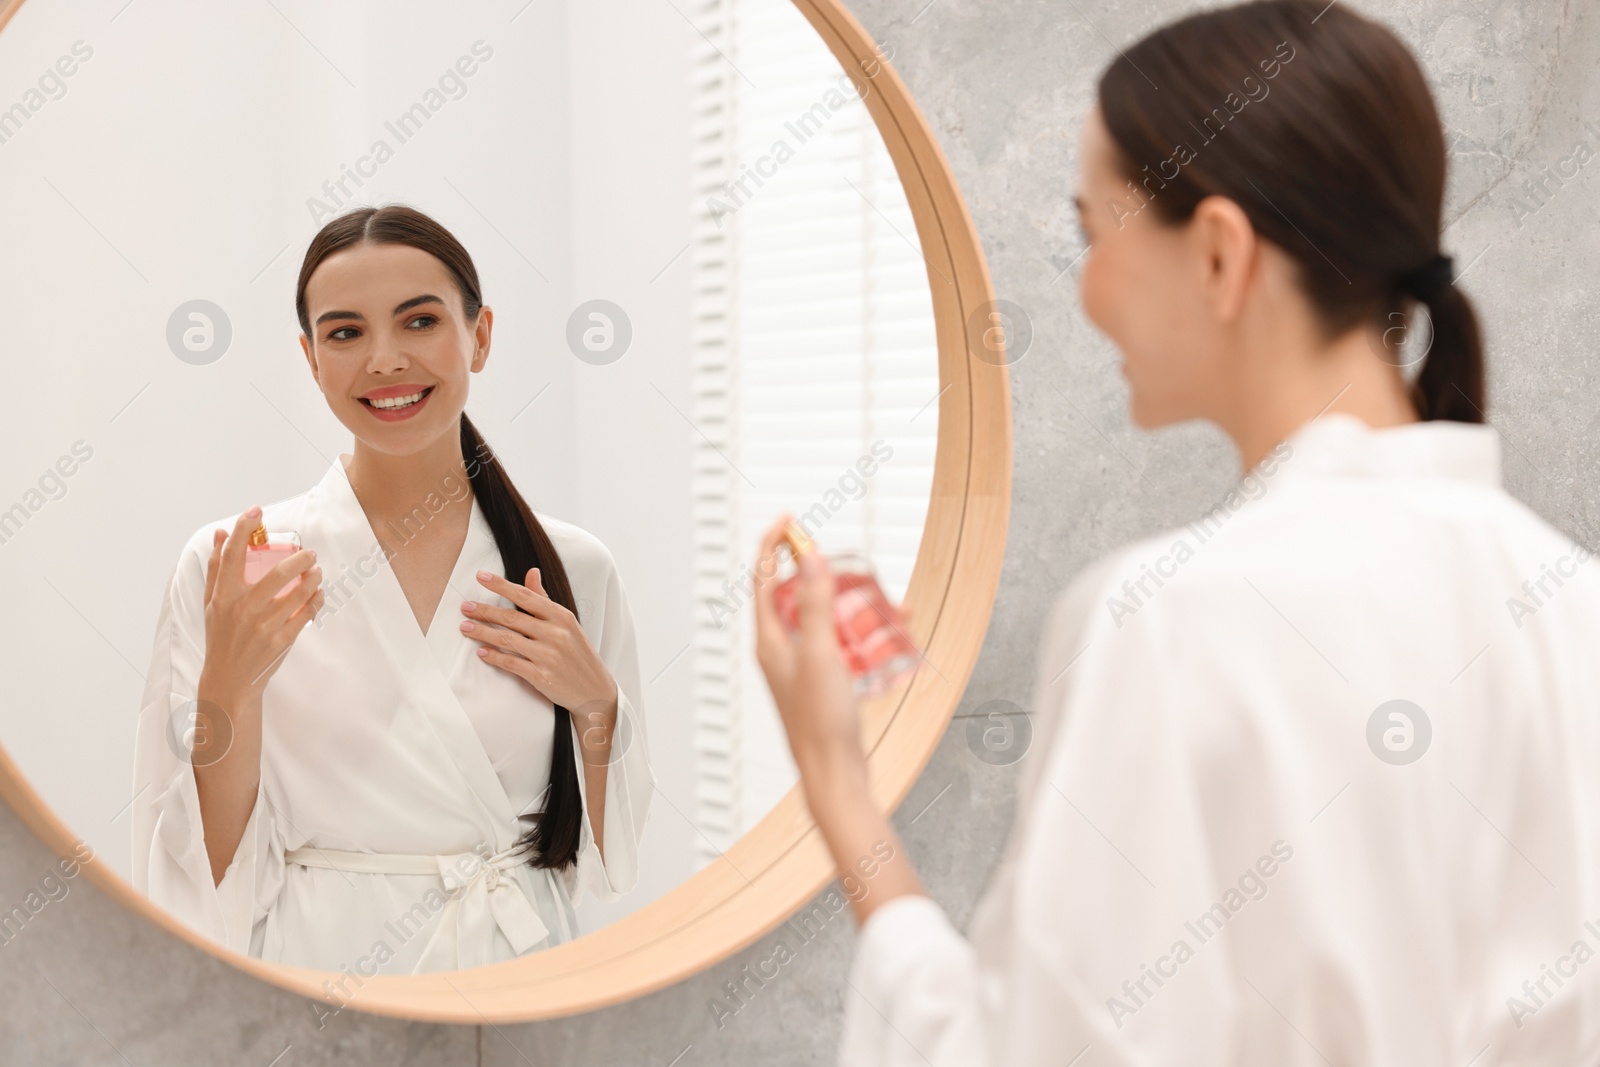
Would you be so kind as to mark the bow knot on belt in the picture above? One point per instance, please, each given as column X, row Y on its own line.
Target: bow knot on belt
column 484, row 897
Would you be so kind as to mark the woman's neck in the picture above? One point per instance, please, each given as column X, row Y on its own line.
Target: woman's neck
column 390, row 486
column 1281, row 391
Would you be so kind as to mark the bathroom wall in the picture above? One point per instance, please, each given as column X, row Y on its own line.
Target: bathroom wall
column 1005, row 84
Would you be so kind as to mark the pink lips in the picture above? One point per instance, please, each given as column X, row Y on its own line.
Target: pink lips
column 397, row 414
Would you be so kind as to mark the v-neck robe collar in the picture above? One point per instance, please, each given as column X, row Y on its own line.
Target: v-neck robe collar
column 343, row 525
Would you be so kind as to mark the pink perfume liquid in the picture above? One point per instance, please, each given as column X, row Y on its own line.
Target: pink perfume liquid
column 273, row 549
column 871, row 630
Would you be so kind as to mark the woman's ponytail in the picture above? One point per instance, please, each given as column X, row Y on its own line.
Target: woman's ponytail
column 1450, row 385
column 554, row 838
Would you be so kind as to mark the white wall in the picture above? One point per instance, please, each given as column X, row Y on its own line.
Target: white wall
column 630, row 223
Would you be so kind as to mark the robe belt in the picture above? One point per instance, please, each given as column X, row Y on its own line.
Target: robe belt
column 481, row 888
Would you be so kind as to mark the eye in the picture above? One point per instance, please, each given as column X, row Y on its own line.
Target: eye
column 334, row 336
column 425, row 321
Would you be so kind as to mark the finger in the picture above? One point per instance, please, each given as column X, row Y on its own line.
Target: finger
column 308, row 585
column 218, row 536
column 306, row 612
column 816, row 600
column 540, row 607
column 507, row 640
column 534, row 584
column 285, row 571
column 492, row 614
column 233, row 549
column 769, row 627
column 514, row 664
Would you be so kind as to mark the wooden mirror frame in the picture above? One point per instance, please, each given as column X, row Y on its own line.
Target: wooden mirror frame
column 781, row 862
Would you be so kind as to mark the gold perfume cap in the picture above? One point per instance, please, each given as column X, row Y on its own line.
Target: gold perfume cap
column 797, row 539
column 258, row 536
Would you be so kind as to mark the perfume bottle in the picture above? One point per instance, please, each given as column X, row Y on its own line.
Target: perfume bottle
column 266, row 551
column 871, row 630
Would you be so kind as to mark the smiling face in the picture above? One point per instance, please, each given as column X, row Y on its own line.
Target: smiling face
column 1146, row 285
column 387, row 324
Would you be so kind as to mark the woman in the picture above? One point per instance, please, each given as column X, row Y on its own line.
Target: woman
column 370, row 795
column 1314, row 779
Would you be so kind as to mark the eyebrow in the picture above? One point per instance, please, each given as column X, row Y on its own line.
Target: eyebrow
column 400, row 308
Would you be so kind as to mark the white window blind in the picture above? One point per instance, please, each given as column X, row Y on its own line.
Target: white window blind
column 814, row 352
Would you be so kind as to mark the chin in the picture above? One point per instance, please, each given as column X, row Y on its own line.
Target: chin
column 1149, row 414
column 394, row 439
column 1141, row 418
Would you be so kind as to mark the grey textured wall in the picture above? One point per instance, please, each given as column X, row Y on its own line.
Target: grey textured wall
column 1005, row 84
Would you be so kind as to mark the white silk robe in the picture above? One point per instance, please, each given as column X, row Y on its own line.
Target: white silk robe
column 378, row 739
column 1212, row 864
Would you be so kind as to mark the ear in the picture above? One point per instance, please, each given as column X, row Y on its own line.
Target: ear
column 1227, row 248
column 482, row 335
column 311, row 361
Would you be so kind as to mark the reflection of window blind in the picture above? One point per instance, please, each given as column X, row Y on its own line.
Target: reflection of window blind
column 814, row 351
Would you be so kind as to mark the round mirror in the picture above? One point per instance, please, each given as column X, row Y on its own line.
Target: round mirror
column 725, row 275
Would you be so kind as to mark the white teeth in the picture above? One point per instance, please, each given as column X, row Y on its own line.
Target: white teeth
column 397, row 401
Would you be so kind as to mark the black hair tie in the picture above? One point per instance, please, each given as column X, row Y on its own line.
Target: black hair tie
column 1429, row 280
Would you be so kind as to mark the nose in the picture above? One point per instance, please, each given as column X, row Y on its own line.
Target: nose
column 385, row 355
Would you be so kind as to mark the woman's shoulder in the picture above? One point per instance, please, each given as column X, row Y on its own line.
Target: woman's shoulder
column 582, row 553
column 591, row 570
column 1336, row 544
column 1360, row 525
column 284, row 514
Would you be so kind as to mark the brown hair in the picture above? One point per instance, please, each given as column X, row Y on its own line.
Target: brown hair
column 1339, row 161
column 553, row 840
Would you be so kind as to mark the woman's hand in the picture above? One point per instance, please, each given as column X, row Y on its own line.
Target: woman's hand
column 544, row 645
column 807, row 674
column 811, row 685
column 248, row 627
